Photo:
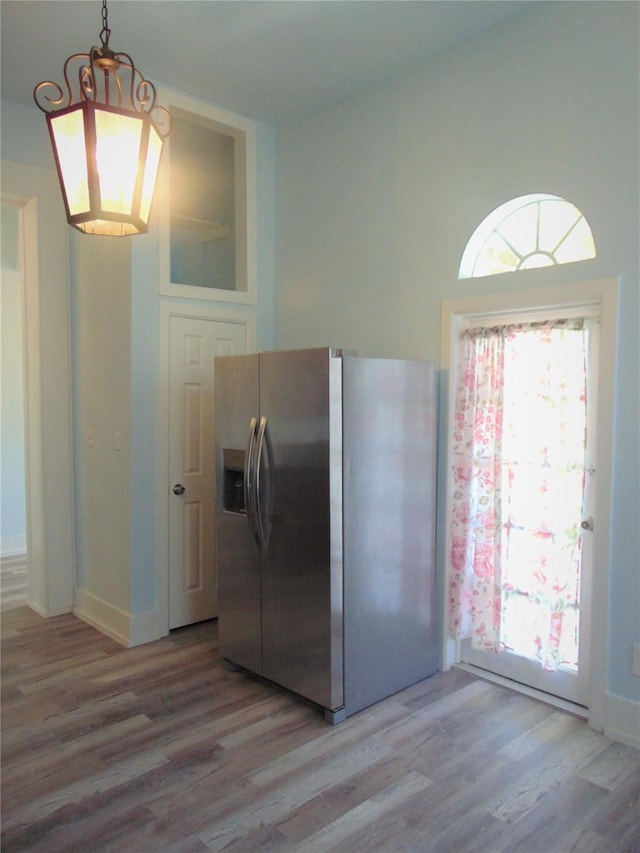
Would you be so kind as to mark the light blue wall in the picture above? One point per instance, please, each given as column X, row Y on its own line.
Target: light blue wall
column 144, row 422
column 377, row 198
column 144, row 368
column 266, row 234
column 9, row 237
column 13, row 525
column 25, row 140
column 24, row 137
column 102, row 367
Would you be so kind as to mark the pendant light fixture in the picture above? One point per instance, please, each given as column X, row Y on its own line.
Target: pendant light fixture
column 107, row 135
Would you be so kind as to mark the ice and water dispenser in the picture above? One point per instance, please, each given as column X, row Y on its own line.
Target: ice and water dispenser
column 233, row 480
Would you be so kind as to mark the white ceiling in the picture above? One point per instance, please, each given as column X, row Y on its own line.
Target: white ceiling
column 273, row 60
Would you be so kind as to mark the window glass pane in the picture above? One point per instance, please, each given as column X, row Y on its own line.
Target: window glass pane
column 538, row 259
column 521, row 228
column 577, row 245
column 495, row 257
column 203, row 204
column 556, row 219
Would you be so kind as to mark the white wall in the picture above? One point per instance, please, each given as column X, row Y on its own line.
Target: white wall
column 377, row 198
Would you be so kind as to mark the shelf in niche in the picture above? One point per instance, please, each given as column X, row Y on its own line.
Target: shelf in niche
column 190, row 230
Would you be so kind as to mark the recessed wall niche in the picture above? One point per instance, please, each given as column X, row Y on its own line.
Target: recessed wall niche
column 209, row 224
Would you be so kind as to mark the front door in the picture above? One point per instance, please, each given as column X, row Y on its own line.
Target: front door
column 545, row 487
column 194, row 343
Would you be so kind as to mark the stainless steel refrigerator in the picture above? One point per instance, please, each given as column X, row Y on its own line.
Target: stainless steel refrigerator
column 325, row 513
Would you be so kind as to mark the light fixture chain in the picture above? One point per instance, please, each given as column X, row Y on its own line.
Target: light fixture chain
column 105, row 32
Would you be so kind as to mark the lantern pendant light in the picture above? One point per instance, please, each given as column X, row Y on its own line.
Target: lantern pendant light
column 107, row 135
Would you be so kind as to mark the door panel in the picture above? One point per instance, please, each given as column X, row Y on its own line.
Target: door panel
column 194, row 343
column 298, row 610
column 239, row 579
column 389, row 416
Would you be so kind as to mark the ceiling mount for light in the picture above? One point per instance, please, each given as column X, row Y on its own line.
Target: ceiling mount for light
column 107, row 134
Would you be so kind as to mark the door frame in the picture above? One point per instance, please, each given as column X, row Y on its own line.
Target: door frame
column 197, row 311
column 604, row 294
column 46, row 292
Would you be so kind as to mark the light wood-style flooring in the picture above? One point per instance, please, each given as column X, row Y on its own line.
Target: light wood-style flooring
column 13, row 581
column 159, row 748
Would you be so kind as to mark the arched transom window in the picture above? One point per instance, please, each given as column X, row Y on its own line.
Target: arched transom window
column 536, row 230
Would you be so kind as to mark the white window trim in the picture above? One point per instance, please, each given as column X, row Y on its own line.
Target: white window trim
column 246, row 179
column 455, row 313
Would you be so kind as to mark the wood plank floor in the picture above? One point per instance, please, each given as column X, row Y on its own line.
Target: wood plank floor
column 158, row 748
column 13, row 581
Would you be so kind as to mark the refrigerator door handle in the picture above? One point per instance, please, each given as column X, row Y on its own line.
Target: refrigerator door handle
column 263, row 530
column 249, row 487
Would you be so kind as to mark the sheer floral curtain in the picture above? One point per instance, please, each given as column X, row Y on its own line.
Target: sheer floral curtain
column 475, row 577
column 518, row 489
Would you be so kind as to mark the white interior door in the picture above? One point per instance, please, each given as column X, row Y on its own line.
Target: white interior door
column 194, row 343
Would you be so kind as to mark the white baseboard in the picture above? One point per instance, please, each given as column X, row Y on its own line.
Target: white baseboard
column 622, row 720
column 46, row 614
column 143, row 628
column 128, row 629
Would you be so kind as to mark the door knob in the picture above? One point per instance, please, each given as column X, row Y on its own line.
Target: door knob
column 587, row 524
column 179, row 489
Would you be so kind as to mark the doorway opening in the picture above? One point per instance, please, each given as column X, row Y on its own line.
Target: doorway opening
column 48, row 447
column 523, row 465
column 511, row 606
column 13, row 514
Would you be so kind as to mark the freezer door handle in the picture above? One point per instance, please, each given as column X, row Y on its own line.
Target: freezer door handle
column 249, row 485
column 263, row 528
